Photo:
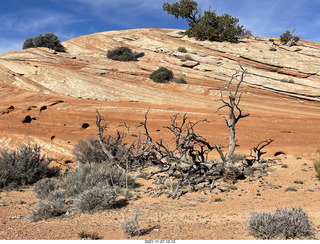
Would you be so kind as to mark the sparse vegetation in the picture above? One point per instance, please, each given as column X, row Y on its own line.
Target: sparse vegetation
column 298, row 182
column 290, row 189
column 316, row 164
column 86, row 235
column 187, row 161
column 162, row 75
column 131, row 226
column 233, row 188
column 218, row 199
column 91, row 185
column 207, row 25
column 291, row 81
column 287, row 38
column 182, row 50
column 48, row 40
column 187, row 57
column 124, row 54
column 283, row 223
column 23, row 166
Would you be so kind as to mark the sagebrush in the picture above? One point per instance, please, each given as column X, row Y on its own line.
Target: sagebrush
column 46, row 209
column 283, row 223
column 87, row 176
column 130, row 226
column 89, row 150
column 97, row 198
column 44, row 187
column 23, row 166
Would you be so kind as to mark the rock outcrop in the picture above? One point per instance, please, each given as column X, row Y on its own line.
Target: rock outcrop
column 85, row 80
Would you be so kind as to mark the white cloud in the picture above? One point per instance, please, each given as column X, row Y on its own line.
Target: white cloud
column 122, row 13
column 35, row 20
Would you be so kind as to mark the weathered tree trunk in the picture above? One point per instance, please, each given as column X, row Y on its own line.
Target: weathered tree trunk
column 232, row 142
column 233, row 104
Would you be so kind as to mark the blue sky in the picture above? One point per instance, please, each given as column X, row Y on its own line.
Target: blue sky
column 21, row 19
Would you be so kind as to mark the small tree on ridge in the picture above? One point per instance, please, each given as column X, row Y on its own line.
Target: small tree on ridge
column 207, row 26
column 48, row 40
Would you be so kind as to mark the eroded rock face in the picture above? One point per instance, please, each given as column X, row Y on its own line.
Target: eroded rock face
column 86, row 72
column 85, row 80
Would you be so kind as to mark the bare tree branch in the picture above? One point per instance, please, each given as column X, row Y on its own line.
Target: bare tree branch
column 233, row 105
column 259, row 147
column 101, row 130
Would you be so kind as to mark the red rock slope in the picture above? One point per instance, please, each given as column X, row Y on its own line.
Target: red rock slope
column 56, row 93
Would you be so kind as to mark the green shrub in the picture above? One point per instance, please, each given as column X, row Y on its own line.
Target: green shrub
column 97, row 198
column 48, row 40
column 23, row 166
column 207, row 26
column 287, row 38
column 182, row 49
column 162, row 75
column 283, row 223
column 44, row 187
column 123, row 54
column 216, row 28
column 87, row 176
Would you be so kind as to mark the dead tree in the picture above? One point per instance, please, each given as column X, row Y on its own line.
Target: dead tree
column 101, row 130
column 258, row 149
column 184, row 165
column 235, row 113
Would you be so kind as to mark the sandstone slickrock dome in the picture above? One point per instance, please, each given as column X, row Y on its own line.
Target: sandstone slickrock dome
column 51, row 98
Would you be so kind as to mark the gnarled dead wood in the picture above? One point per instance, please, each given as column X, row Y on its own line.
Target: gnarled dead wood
column 233, row 105
column 258, row 149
